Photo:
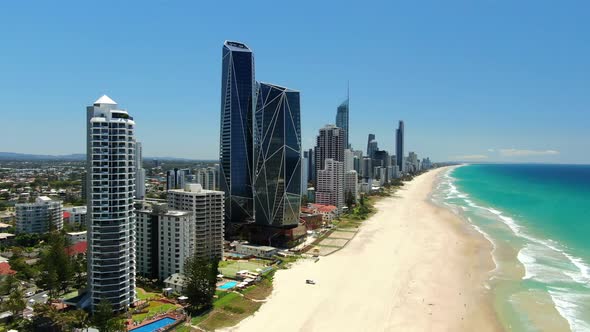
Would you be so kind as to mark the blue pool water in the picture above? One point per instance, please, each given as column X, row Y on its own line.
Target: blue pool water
column 153, row 326
column 228, row 285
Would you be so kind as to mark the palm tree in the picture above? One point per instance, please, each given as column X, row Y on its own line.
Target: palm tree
column 15, row 303
column 9, row 284
column 79, row 319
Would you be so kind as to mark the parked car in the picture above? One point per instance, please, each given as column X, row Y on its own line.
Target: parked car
column 29, row 293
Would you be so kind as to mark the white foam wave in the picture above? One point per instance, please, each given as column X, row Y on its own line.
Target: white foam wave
column 544, row 260
column 568, row 304
column 584, row 275
column 527, row 261
column 487, row 237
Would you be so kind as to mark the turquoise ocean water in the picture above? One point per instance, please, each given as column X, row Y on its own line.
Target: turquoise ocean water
column 538, row 219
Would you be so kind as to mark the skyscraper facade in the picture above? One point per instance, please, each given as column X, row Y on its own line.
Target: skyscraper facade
column 369, row 139
column 348, row 160
column 236, row 147
column 350, row 185
column 110, row 166
column 207, row 178
column 139, row 172
column 40, row 217
column 367, row 168
column 207, row 209
column 399, row 146
column 277, row 156
column 329, row 144
column 165, row 239
column 342, row 120
column 310, row 166
column 381, row 158
column 372, row 148
column 330, row 184
column 176, row 178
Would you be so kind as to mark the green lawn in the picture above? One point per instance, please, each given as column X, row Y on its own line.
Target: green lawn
column 229, row 268
column 228, row 311
column 229, row 308
column 143, row 295
column 70, row 295
column 154, row 308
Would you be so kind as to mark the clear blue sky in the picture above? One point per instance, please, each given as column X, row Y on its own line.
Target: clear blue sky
column 480, row 80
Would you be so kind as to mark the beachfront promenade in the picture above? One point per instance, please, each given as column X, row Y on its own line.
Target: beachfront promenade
column 411, row 267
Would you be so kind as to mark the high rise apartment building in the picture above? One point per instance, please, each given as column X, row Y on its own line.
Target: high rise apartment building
column 165, row 239
column 329, row 145
column 139, row 172
column 40, row 217
column 176, row 178
column 330, row 184
column 110, row 220
column 207, row 209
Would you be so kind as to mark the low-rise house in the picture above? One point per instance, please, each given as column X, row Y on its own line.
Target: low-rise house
column 328, row 212
column 256, row 251
column 75, row 237
column 312, row 220
column 176, row 282
column 75, row 215
column 6, row 238
column 77, row 249
column 5, row 269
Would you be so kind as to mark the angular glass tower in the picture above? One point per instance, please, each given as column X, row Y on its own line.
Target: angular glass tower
column 277, row 156
column 235, row 144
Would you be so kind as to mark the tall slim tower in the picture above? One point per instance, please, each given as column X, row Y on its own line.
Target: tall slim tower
column 110, row 166
column 139, row 172
column 277, row 156
column 342, row 115
column 235, row 143
column 399, row 146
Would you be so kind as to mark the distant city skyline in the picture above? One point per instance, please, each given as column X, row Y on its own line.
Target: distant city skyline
column 467, row 87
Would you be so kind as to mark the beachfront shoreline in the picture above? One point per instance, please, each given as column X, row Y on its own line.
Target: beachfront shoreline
column 405, row 270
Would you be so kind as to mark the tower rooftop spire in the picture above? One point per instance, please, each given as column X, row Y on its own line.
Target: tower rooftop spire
column 105, row 100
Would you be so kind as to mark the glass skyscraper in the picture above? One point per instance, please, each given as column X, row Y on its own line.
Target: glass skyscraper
column 235, row 148
column 371, row 137
column 277, row 156
column 342, row 121
column 399, row 146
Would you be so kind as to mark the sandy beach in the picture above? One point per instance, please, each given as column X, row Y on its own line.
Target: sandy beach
column 412, row 267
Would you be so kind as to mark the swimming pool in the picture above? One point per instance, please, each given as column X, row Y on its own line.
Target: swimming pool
column 228, row 285
column 153, row 326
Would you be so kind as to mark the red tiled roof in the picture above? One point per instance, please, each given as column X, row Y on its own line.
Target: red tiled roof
column 5, row 269
column 78, row 248
column 323, row 207
column 327, row 208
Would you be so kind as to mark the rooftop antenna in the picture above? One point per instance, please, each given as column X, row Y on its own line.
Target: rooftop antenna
column 348, row 91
